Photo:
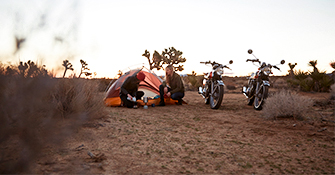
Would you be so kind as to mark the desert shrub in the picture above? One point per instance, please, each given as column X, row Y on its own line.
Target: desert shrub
column 332, row 92
column 280, row 83
column 311, row 81
column 306, row 84
column 77, row 96
column 286, row 104
column 196, row 81
column 231, row 87
column 192, row 82
column 300, row 75
column 39, row 111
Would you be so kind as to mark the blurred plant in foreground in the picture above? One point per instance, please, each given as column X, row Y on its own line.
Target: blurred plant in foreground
column 38, row 110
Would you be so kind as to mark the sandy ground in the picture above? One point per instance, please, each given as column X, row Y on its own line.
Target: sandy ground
column 194, row 139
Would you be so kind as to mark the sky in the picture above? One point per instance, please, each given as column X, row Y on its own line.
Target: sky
column 112, row 35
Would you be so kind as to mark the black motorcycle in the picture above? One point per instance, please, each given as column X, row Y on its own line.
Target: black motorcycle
column 213, row 86
column 258, row 83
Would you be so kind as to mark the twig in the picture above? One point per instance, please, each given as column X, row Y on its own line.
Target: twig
column 323, row 129
column 322, row 119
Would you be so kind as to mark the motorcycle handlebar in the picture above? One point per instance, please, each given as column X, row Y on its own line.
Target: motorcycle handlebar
column 276, row 67
column 214, row 63
column 204, row 62
column 254, row 60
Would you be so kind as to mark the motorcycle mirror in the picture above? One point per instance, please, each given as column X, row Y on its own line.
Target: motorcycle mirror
column 250, row 51
column 231, row 62
column 282, row 62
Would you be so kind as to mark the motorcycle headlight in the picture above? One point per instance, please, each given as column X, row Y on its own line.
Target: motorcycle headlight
column 267, row 71
column 219, row 71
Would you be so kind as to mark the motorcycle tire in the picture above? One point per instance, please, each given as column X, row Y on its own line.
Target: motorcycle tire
column 207, row 100
column 260, row 97
column 250, row 101
column 216, row 97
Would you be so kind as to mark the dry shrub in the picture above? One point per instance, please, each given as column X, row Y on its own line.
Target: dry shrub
column 332, row 92
column 38, row 112
column 280, row 83
column 77, row 97
column 192, row 82
column 286, row 104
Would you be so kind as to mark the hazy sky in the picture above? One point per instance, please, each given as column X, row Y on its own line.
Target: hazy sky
column 112, row 35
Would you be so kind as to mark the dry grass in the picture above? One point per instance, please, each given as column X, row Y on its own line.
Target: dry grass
column 286, row 104
column 38, row 112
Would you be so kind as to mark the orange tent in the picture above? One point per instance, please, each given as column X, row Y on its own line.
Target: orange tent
column 150, row 87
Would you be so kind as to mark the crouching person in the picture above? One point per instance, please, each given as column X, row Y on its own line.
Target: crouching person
column 173, row 87
column 129, row 90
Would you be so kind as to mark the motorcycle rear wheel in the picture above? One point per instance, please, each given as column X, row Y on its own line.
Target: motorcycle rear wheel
column 216, row 96
column 260, row 97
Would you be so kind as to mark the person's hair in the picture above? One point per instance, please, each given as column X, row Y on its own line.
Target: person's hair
column 170, row 67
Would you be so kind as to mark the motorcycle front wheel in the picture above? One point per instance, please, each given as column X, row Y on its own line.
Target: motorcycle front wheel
column 260, row 97
column 216, row 96
column 207, row 100
column 250, row 101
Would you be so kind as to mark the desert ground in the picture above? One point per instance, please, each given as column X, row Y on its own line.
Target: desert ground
column 194, row 139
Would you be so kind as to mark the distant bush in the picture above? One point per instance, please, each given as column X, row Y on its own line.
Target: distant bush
column 280, row 83
column 38, row 110
column 286, row 104
column 192, row 82
column 332, row 92
column 311, row 81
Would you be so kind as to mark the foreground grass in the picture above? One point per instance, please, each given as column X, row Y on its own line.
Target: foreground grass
column 41, row 111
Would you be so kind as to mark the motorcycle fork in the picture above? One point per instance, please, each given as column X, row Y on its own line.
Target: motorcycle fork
column 212, row 88
column 257, row 88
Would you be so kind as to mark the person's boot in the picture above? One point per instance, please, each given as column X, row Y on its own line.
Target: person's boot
column 135, row 106
column 161, row 103
column 180, row 102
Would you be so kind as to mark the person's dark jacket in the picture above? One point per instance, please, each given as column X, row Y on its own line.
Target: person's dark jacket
column 176, row 84
column 129, row 86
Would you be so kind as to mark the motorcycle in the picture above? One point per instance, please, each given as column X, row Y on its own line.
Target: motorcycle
column 213, row 87
column 258, row 83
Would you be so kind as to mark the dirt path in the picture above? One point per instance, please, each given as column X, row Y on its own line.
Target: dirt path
column 193, row 138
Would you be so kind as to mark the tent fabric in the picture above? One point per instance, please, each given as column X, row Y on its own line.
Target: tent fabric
column 150, row 87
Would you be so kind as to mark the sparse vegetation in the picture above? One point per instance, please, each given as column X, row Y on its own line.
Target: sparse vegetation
column 67, row 65
column 38, row 110
column 291, row 71
column 84, row 69
column 286, row 104
column 194, row 80
column 169, row 56
column 311, row 81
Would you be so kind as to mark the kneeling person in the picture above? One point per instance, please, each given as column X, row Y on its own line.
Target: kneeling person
column 129, row 90
column 175, row 90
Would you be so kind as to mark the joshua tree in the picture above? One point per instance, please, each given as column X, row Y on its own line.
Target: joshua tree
column 291, row 72
column 120, row 73
column 83, row 68
column 22, row 68
column 313, row 64
column 67, row 66
column 168, row 56
column 33, row 69
column 332, row 64
column 18, row 43
column 155, row 62
column 174, row 57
